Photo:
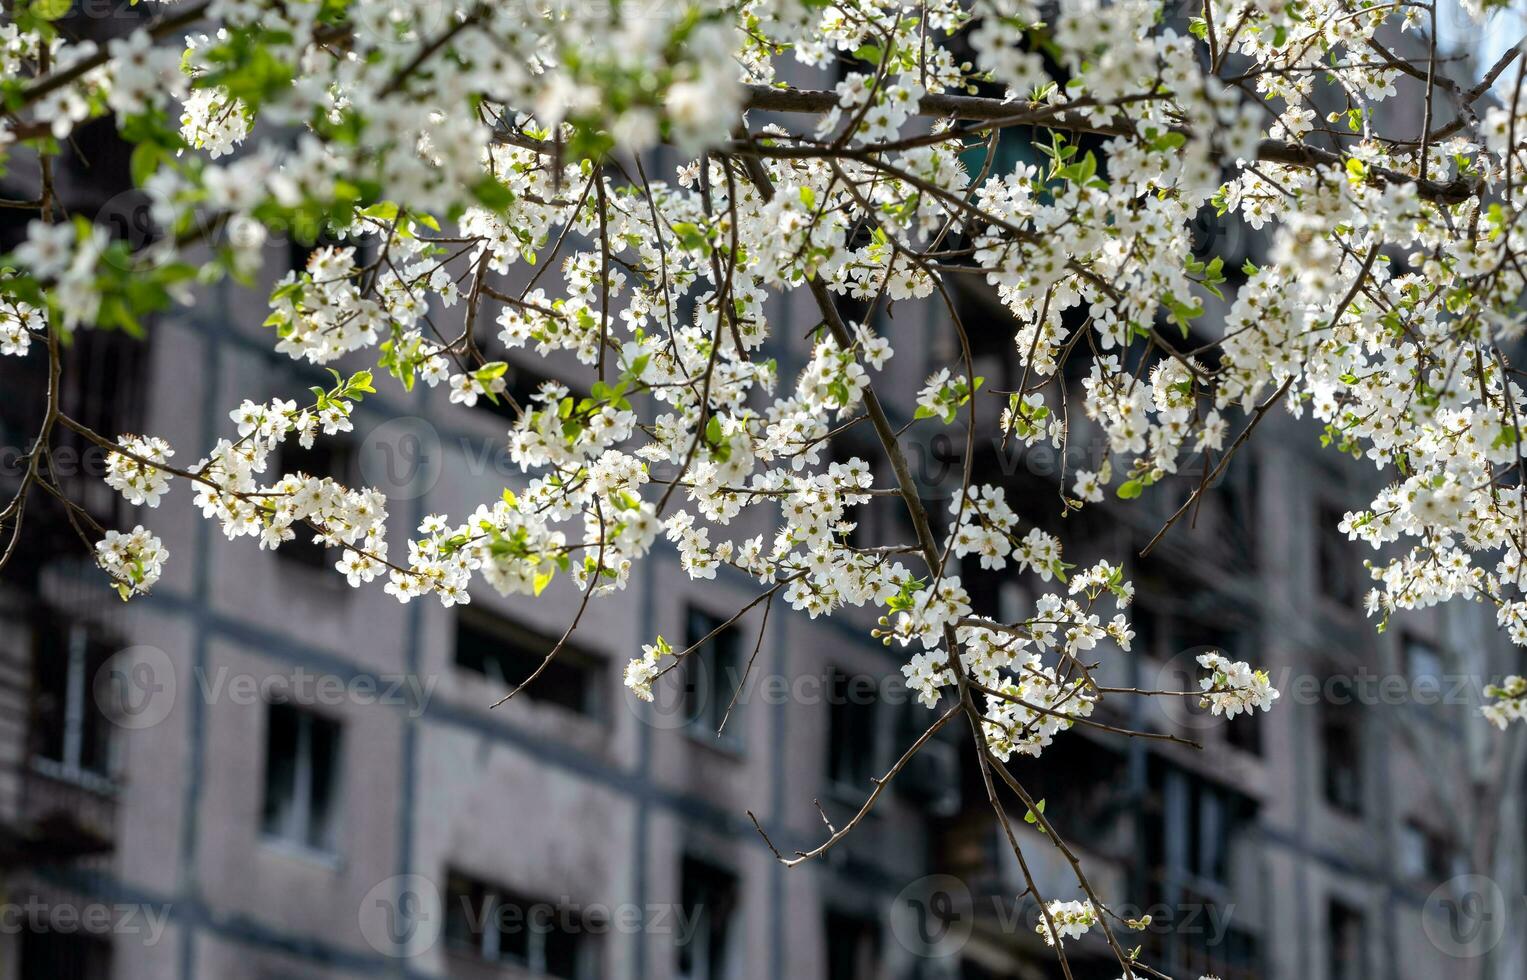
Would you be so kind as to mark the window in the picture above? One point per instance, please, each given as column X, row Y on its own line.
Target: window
column 1423, row 854
column 851, row 739
column 1424, row 664
column 1341, row 751
column 498, row 926
column 862, row 515
column 1240, row 501
column 1235, row 642
column 103, row 387
column 1335, row 566
column 1344, row 939
column 69, row 729
column 64, row 956
column 301, row 777
column 1245, row 732
column 853, row 947
column 1199, row 822
column 328, row 458
column 507, row 653
column 709, row 896
column 714, row 675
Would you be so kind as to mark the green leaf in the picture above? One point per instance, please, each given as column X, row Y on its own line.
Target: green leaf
column 145, row 160
column 359, row 383
column 869, row 52
column 691, row 238
column 493, row 195
column 381, row 211
column 1171, row 140
column 50, row 9
column 1130, row 489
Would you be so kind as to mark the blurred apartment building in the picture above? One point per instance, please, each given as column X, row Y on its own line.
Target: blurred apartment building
column 258, row 772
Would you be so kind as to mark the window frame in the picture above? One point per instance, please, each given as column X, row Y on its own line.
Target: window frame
column 81, row 640
column 701, row 725
column 487, row 898
column 298, row 831
column 854, row 714
column 720, row 890
column 591, row 666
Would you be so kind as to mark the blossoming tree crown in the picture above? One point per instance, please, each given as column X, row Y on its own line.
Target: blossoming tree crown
column 452, row 149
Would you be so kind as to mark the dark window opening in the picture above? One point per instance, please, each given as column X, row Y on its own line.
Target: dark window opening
column 1192, row 832
column 69, row 728
column 1341, row 747
column 862, row 515
column 853, row 947
column 1428, row 674
column 1198, row 821
column 709, row 897
column 1345, row 942
column 507, row 653
column 301, row 777
column 64, row 956
column 329, row 458
column 713, row 674
column 496, row 925
column 851, row 738
column 1336, row 565
column 1424, row 854
column 1245, row 732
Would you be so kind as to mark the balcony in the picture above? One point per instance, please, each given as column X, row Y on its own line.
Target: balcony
column 52, row 815
column 57, row 800
column 1208, row 934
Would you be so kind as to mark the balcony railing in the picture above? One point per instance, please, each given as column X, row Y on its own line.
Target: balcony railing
column 54, row 814
column 1206, row 939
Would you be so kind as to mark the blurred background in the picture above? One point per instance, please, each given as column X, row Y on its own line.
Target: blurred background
column 258, row 772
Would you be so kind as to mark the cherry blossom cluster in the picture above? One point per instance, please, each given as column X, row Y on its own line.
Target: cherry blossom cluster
column 134, row 560
column 1070, row 920
column 1233, row 687
column 1511, row 701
